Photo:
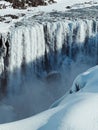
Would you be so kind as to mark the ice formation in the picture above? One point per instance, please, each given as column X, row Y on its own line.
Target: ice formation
column 44, row 47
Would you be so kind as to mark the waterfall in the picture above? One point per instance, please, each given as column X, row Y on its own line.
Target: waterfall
column 43, row 47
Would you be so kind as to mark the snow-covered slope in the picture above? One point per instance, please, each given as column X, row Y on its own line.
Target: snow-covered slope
column 86, row 82
column 76, row 111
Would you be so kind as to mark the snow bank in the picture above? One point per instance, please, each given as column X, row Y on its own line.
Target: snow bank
column 87, row 82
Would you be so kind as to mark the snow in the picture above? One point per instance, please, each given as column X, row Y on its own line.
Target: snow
column 30, row 11
column 62, row 4
column 2, row 2
column 4, row 28
column 87, row 81
column 76, row 111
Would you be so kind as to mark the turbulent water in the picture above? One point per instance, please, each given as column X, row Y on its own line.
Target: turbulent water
column 35, row 48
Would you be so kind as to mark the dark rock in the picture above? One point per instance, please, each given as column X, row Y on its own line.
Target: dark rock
column 22, row 4
column 68, row 7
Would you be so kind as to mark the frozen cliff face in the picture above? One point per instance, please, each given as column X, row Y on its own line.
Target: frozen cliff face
column 44, row 47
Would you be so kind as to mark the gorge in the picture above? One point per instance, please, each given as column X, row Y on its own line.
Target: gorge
column 44, row 45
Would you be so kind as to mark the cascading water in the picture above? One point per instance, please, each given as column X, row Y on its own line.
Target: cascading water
column 39, row 48
column 43, row 47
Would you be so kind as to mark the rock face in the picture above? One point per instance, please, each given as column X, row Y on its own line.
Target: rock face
column 25, row 3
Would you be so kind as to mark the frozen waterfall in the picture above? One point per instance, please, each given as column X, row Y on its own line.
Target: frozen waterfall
column 44, row 47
